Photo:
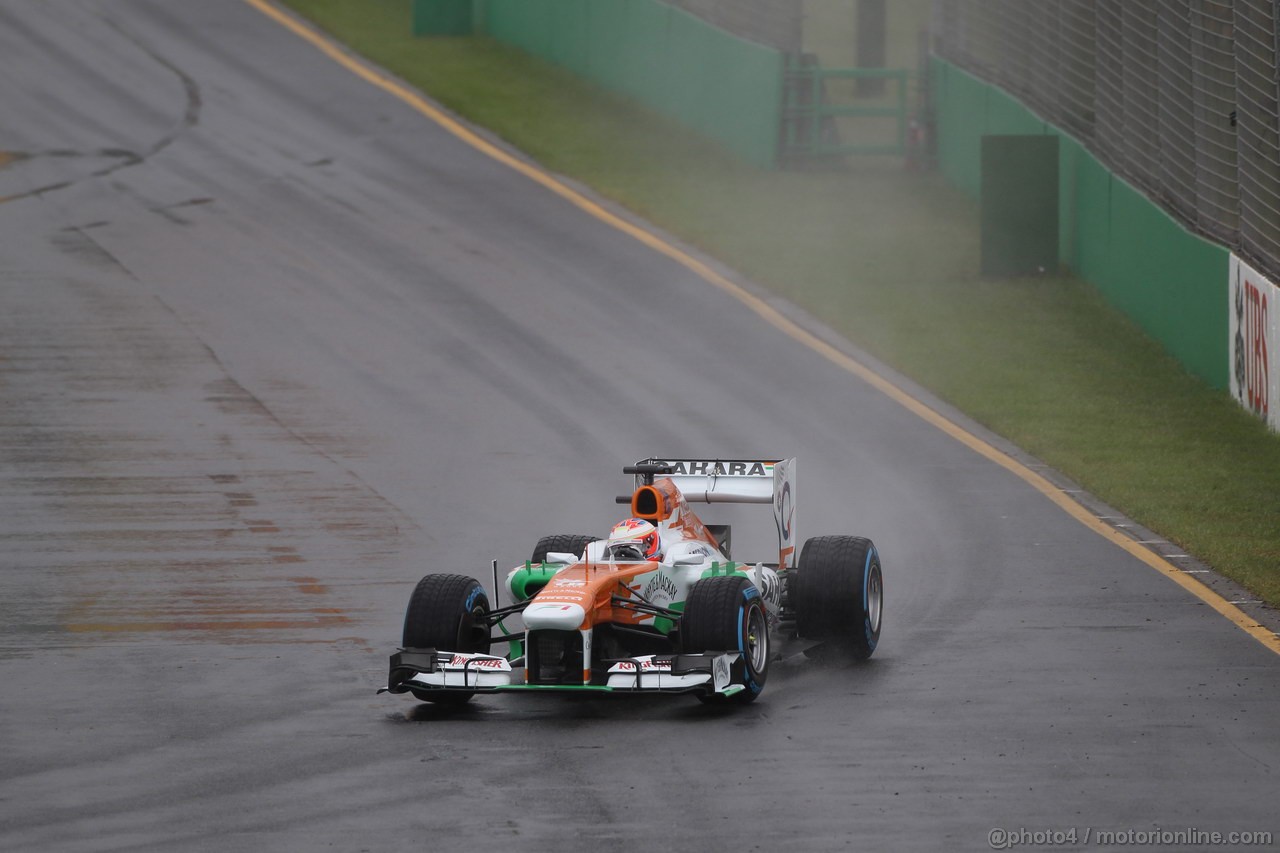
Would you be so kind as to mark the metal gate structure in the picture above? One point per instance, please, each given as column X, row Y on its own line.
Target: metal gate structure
column 824, row 117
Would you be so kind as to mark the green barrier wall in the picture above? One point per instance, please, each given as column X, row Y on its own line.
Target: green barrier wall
column 442, row 17
column 1171, row 282
column 720, row 85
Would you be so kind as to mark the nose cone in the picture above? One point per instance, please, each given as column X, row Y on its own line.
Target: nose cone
column 553, row 616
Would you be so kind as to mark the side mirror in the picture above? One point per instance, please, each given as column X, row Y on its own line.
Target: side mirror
column 561, row 557
column 691, row 560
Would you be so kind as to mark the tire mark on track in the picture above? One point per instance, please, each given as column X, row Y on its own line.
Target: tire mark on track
column 126, row 159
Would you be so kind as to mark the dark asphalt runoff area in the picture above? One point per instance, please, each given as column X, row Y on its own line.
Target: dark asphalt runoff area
column 273, row 346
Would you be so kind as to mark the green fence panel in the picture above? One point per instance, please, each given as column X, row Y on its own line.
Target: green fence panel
column 541, row 21
column 530, row 25
column 555, row 48
column 518, row 11
column 1006, row 116
column 725, row 66
column 688, row 45
column 495, row 21
column 1068, row 176
column 1171, row 282
column 736, row 91
column 1205, row 316
column 645, row 54
column 571, row 35
column 725, row 87
column 442, row 17
column 753, row 97
column 962, row 120
column 629, row 55
column 769, row 68
column 1132, row 283
column 503, row 20
column 1090, row 252
column 606, row 30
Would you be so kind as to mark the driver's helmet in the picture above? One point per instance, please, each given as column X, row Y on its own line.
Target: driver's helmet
column 634, row 539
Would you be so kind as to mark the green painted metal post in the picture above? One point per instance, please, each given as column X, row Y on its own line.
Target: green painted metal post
column 872, row 29
column 789, row 104
column 901, row 77
column 815, row 104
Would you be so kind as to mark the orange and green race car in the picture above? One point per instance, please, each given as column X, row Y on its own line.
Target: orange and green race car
column 658, row 606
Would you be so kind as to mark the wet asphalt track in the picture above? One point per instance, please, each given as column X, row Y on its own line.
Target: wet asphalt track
column 277, row 346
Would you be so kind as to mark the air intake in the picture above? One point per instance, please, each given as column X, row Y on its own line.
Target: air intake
column 646, row 502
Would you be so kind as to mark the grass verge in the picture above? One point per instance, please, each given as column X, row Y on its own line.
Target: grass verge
column 889, row 259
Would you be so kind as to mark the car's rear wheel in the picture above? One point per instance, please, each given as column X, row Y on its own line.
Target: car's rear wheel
column 727, row 614
column 447, row 612
column 561, row 543
column 838, row 593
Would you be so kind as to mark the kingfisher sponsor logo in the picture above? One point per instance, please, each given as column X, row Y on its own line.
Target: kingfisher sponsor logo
column 477, row 663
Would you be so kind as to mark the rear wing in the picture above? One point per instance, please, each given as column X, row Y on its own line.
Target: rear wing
column 762, row 481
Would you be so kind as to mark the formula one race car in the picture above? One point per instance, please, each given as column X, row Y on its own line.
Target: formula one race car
column 658, row 606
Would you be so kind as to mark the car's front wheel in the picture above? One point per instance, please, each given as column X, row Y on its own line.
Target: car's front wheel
column 447, row 612
column 727, row 614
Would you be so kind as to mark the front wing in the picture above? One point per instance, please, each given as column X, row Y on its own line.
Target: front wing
column 709, row 673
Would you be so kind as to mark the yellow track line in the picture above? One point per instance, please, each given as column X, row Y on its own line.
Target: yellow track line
column 771, row 315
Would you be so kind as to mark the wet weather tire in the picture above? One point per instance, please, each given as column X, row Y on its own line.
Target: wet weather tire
column 727, row 614
column 447, row 612
column 561, row 543
column 838, row 593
